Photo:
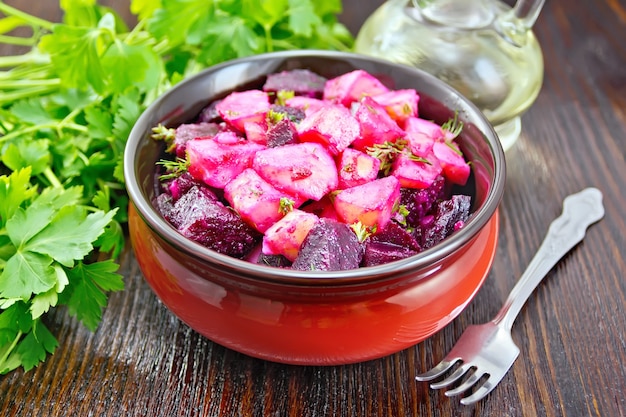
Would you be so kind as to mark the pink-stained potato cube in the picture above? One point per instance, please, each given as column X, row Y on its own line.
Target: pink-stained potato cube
column 399, row 104
column 332, row 125
column 245, row 106
column 419, row 144
column 424, row 127
column 305, row 170
column 356, row 168
column 377, row 126
column 371, row 203
column 414, row 173
column 217, row 160
column 257, row 202
column 286, row 235
column 256, row 131
column 455, row 167
column 353, row 86
column 308, row 104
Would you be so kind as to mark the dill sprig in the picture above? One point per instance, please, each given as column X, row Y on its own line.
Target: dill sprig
column 173, row 169
column 167, row 135
column 454, row 126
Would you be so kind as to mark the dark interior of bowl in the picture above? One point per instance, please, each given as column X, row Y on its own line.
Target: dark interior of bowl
column 438, row 102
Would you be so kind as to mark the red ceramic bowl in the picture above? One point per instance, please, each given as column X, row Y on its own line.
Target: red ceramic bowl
column 314, row 317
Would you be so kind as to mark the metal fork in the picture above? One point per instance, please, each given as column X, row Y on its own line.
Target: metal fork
column 487, row 351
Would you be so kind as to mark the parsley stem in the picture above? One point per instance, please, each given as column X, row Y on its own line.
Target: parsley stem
column 35, row 128
column 51, row 176
column 30, row 71
column 27, row 58
column 30, row 19
column 17, row 40
column 24, row 93
column 269, row 43
column 66, row 120
column 8, row 352
column 12, row 84
column 137, row 30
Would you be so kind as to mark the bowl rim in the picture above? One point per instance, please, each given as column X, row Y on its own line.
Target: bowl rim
column 163, row 229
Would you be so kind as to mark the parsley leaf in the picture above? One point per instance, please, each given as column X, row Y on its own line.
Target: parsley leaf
column 26, row 273
column 90, row 281
column 36, row 345
column 67, row 106
column 74, row 49
column 302, row 17
column 14, row 190
column 69, row 237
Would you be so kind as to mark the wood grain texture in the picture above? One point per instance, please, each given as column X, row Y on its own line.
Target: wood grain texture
column 142, row 361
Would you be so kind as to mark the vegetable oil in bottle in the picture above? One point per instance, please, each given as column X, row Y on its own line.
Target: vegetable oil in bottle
column 482, row 48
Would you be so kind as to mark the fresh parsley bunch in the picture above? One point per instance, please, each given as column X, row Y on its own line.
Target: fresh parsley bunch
column 66, row 108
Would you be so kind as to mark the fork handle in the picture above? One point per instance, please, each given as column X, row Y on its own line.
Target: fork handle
column 580, row 210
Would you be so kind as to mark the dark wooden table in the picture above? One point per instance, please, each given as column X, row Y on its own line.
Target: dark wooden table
column 142, row 361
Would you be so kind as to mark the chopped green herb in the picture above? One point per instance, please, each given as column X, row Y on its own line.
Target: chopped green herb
column 362, row 232
column 286, row 205
column 283, row 95
column 454, row 126
column 386, row 152
column 274, row 117
column 167, row 135
column 174, row 168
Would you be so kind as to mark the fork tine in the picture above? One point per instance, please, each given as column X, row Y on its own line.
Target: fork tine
column 480, row 393
column 452, row 378
column 467, row 384
column 438, row 370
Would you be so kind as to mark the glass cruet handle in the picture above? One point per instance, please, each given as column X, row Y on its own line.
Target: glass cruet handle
column 514, row 24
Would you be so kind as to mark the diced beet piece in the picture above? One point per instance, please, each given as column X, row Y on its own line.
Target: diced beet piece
column 420, row 202
column 165, row 205
column 308, row 105
column 189, row 131
column 244, row 106
column 377, row 126
column 356, row 168
column 371, row 203
column 301, row 81
column 394, row 234
column 277, row 261
column 322, row 208
column 333, row 126
column 455, row 167
column 286, row 235
column 378, row 253
column 180, row 185
column 304, row 170
column 352, row 86
column 218, row 160
column 282, row 133
column 414, row 173
column 448, row 217
column 294, row 114
column 209, row 113
column 199, row 216
column 256, row 201
column 329, row 246
column 399, row 104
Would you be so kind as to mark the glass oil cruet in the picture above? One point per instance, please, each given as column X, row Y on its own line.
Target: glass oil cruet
column 485, row 49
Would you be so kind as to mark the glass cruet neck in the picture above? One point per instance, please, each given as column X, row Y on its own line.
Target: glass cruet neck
column 515, row 23
column 461, row 14
column 512, row 24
